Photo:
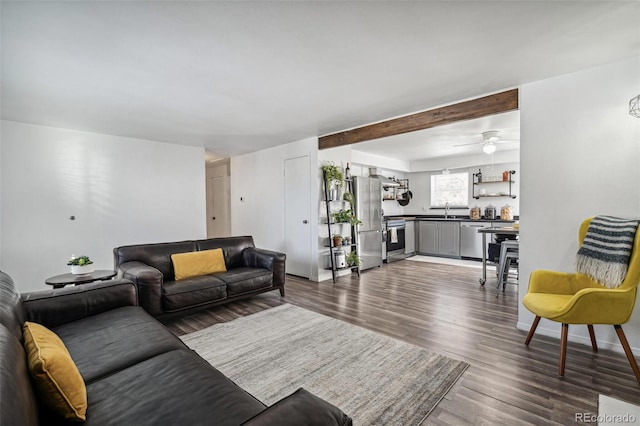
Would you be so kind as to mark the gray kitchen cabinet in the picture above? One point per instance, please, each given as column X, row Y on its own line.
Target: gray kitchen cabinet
column 410, row 237
column 428, row 237
column 439, row 238
column 449, row 238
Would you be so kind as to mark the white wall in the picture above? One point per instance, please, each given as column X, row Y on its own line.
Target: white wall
column 257, row 195
column 580, row 155
column 120, row 190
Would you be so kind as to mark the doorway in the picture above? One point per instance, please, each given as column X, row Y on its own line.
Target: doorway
column 297, row 211
column 218, row 200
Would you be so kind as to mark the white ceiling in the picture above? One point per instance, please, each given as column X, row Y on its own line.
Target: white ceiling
column 238, row 76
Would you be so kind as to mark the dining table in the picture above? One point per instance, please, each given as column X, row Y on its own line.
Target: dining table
column 505, row 230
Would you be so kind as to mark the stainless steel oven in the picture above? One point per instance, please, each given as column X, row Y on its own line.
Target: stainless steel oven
column 395, row 230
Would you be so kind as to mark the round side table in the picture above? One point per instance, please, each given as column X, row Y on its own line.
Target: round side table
column 60, row 281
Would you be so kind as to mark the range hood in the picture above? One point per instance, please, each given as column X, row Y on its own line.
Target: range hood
column 386, row 182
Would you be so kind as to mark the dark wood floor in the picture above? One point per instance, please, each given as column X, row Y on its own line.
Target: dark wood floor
column 442, row 308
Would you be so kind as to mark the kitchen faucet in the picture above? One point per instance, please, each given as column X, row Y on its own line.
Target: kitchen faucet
column 446, row 210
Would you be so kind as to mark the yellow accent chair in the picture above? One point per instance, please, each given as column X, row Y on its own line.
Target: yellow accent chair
column 577, row 299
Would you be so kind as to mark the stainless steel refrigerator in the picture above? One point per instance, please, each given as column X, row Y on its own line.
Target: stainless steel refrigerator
column 368, row 208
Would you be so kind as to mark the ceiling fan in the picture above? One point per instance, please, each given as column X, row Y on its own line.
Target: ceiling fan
column 489, row 138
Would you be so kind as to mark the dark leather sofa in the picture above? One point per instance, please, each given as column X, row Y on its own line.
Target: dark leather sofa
column 135, row 370
column 250, row 271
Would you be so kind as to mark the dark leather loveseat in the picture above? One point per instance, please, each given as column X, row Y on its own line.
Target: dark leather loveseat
column 250, row 271
column 136, row 372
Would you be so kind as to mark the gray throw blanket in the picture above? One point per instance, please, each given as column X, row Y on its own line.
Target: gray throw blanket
column 604, row 255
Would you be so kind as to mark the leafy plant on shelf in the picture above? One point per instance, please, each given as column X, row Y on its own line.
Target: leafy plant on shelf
column 333, row 173
column 345, row 216
column 79, row 261
column 353, row 259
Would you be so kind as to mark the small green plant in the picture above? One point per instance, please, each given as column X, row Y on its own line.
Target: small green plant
column 337, row 240
column 346, row 216
column 353, row 259
column 333, row 173
column 342, row 216
column 349, row 198
column 79, row 261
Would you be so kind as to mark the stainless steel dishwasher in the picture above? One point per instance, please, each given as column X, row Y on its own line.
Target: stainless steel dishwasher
column 471, row 240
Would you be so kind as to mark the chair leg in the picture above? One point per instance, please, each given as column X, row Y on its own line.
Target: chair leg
column 532, row 330
column 627, row 351
column 592, row 334
column 563, row 349
column 282, row 291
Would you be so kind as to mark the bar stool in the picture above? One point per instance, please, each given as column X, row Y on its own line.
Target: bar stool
column 509, row 250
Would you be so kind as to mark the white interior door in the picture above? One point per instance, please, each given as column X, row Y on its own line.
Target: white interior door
column 218, row 203
column 297, row 199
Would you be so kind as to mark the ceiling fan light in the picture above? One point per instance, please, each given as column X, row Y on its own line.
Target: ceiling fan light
column 634, row 106
column 490, row 136
column 489, row 148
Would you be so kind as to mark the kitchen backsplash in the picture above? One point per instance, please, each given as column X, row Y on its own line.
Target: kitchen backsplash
column 420, row 184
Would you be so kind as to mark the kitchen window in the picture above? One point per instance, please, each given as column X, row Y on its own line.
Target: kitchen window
column 452, row 188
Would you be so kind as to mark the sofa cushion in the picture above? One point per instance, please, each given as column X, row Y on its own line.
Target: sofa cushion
column 156, row 255
column 245, row 280
column 232, row 247
column 103, row 344
column 197, row 263
column 57, row 379
column 192, row 292
column 174, row 388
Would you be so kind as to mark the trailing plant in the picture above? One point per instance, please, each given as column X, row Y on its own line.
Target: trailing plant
column 333, row 173
column 79, row 261
column 353, row 220
column 349, row 198
column 346, row 216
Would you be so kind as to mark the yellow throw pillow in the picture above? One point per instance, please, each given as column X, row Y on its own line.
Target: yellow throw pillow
column 197, row 263
column 58, row 381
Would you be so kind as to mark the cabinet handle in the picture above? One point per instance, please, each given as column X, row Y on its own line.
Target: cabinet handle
column 305, row 221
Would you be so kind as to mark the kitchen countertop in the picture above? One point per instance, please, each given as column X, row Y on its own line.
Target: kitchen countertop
column 459, row 218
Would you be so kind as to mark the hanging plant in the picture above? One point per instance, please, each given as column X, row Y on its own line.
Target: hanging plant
column 349, row 198
column 354, row 220
column 333, row 174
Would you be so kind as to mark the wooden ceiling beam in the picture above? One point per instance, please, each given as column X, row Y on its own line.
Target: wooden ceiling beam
column 467, row 110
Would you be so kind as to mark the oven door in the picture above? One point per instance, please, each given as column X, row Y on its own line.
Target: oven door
column 395, row 243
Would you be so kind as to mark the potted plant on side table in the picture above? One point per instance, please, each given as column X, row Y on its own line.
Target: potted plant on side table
column 81, row 265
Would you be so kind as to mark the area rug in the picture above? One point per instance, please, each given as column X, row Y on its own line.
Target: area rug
column 373, row 378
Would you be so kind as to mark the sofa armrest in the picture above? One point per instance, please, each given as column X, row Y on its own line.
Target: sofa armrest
column 148, row 280
column 62, row 305
column 300, row 408
column 271, row 260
